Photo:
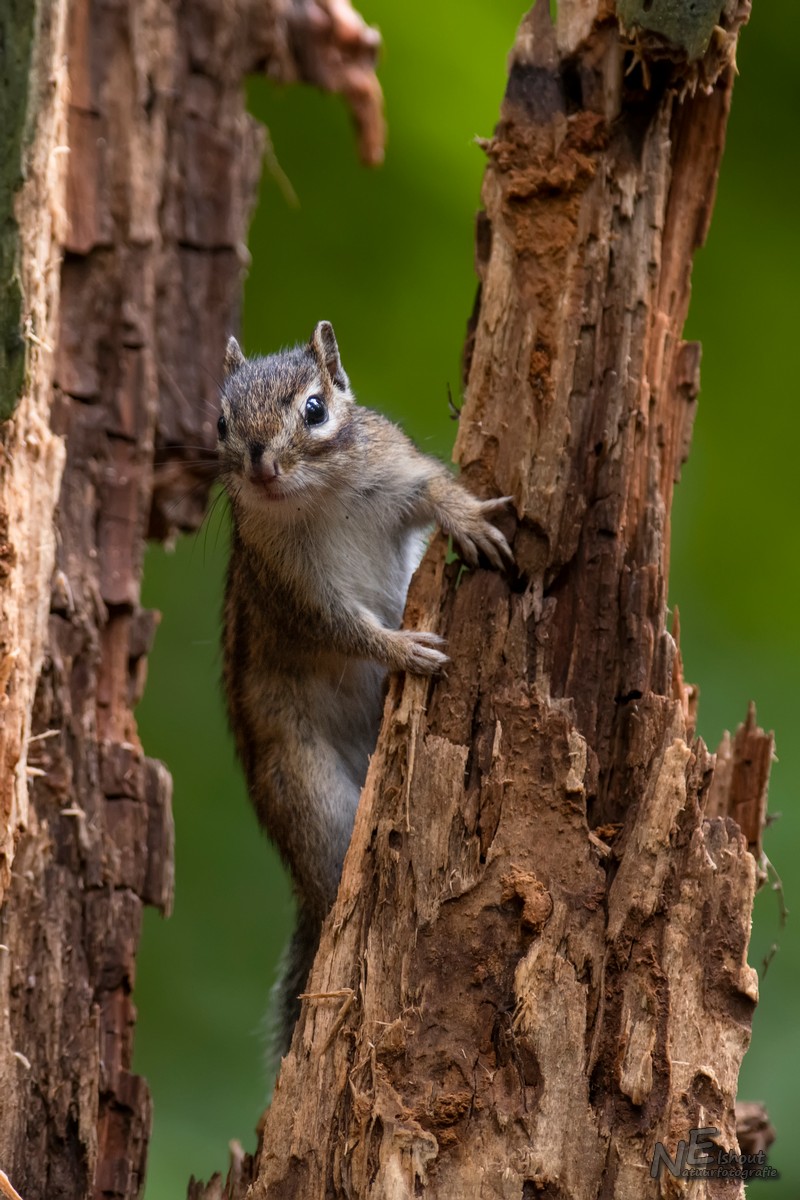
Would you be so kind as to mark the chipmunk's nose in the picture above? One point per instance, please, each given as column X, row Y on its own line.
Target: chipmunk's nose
column 262, row 468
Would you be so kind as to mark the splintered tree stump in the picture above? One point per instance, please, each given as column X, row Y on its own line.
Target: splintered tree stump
column 536, row 965
column 130, row 171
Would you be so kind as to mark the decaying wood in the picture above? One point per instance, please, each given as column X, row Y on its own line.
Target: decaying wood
column 241, row 1173
column 545, row 909
column 753, row 1128
column 32, row 457
column 124, row 223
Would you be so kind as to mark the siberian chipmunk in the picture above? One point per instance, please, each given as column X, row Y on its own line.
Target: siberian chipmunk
column 330, row 503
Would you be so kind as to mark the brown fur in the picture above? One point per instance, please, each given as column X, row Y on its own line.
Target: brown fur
column 327, row 524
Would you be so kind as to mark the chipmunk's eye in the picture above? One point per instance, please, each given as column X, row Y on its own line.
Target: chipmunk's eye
column 222, row 427
column 315, row 412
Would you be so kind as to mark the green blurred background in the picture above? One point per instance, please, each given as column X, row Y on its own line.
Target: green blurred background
column 387, row 256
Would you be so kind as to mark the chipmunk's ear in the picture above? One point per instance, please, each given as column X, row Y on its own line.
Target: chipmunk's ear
column 326, row 351
column 233, row 358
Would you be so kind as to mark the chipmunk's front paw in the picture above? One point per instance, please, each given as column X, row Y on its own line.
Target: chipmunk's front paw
column 417, row 651
column 478, row 536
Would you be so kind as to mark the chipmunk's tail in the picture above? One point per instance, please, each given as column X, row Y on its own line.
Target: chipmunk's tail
column 293, row 972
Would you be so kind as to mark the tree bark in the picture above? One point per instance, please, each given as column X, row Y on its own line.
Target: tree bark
column 536, row 965
column 129, row 175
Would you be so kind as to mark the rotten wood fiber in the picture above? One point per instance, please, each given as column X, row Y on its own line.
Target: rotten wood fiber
column 140, row 175
column 545, row 909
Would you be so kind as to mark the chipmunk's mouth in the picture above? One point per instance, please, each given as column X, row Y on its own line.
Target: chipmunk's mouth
column 272, row 490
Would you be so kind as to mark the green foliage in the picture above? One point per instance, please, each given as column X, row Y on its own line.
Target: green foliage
column 387, row 256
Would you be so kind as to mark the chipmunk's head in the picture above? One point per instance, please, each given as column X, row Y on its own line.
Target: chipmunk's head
column 286, row 430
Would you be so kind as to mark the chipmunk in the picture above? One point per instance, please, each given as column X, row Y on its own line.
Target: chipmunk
column 329, row 503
